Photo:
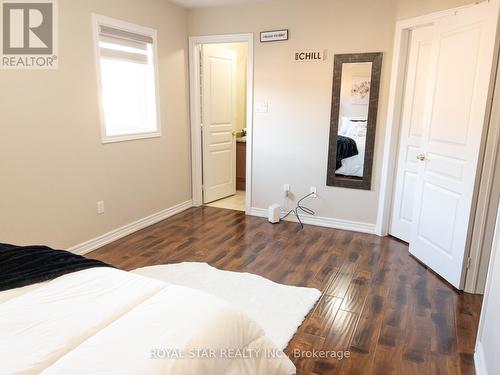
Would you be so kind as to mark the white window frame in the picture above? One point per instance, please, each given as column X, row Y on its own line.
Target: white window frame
column 98, row 20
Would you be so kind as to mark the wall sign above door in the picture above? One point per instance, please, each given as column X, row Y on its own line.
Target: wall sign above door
column 310, row 55
column 274, row 35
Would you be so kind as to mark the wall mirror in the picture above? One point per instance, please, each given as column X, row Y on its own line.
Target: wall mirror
column 356, row 82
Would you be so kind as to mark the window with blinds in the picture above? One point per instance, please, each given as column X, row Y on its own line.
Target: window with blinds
column 128, row 82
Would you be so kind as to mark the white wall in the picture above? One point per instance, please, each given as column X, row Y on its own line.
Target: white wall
column 53, row 167
column 486, row 358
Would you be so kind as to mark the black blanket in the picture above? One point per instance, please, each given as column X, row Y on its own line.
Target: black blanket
column 25, row 265
column 346, row 147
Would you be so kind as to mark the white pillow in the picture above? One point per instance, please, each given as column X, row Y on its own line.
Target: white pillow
column 344, row 126
column 361, row 128
column 356, row 129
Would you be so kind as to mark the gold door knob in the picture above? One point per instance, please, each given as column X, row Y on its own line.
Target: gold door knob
column 421, row 157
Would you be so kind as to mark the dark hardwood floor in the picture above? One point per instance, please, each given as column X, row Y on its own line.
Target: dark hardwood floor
column 392, row 314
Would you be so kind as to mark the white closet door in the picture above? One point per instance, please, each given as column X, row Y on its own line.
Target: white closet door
column 411, row 131
column 461, row 64
column 219, row 146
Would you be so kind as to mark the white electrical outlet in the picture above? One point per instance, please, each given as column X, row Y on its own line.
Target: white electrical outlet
column 286, row 189
column 100, row 207
column 313, row 191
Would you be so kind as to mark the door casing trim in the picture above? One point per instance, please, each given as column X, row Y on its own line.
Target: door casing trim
column 195, row 112
column 393, row 126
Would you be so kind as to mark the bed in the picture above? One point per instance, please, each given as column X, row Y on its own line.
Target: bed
column 102, row 320
column 353, row 128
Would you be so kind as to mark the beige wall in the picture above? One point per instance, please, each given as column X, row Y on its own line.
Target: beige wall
column 54, row 168
column 52, row 163
column 291, row 141
column 241, row 86
column 414, row 8
column 241, row 52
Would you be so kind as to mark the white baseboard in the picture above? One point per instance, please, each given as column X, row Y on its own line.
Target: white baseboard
column 479, row 362
column 118, row 233
column 328, row 222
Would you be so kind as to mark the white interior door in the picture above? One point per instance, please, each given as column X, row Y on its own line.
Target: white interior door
column 415, row 92
column 461, row 64
column 219, row 146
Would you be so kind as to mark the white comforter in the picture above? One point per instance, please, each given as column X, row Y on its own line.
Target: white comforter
column 106, row 321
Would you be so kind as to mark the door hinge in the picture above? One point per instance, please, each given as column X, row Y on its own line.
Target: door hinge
column 468, row 263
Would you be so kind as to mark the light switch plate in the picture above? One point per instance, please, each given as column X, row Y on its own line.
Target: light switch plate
column 262, row 107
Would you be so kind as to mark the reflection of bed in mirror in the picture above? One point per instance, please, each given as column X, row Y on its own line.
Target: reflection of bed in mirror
column 352, row 133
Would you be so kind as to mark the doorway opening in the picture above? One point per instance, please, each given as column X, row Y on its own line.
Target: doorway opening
column 221, row 120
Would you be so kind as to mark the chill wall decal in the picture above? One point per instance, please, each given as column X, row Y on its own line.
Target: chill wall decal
column 310, row 55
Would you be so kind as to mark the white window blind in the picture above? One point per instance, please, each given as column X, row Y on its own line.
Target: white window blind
column 128, row 83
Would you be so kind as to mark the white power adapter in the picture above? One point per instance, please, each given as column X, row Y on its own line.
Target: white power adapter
column 273, row 214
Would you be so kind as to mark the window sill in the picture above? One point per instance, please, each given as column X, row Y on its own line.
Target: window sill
column 129, row 137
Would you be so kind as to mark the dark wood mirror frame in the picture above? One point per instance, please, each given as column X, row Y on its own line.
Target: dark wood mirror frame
column 343, row 181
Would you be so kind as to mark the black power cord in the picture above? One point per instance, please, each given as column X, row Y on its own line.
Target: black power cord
column 299, row 207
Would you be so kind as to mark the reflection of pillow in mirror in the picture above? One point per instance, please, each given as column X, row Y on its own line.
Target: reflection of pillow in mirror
column 356, row 129
column 344, row 126
column 351, row 130
column 361, row 129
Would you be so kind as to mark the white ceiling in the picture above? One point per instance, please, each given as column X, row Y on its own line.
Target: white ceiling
column 210, row 3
